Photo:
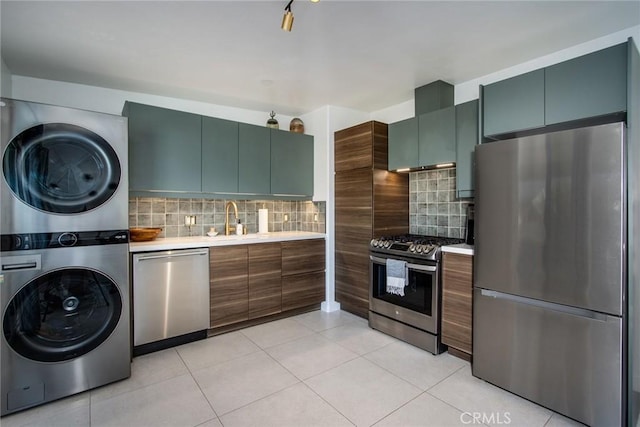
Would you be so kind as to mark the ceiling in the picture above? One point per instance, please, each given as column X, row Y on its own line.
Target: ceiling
column 365, row 55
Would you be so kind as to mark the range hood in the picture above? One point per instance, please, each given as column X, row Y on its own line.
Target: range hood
column 426, row 141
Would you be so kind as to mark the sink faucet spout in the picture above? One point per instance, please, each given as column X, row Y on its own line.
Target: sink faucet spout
column 228, row 228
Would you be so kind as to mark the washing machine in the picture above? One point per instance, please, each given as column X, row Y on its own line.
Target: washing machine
column 65, row 315
column 63, row 169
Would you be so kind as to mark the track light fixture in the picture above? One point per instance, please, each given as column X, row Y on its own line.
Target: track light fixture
column 287, row 19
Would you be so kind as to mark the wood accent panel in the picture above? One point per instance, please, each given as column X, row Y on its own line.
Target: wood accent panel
column 457, row 294
column 301, row 290
column 265, row 284
column 229, row 285
column 390, row 203
column 369, row 202
column 303, row 256
column 380, row 143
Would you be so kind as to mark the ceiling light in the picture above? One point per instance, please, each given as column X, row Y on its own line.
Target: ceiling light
column 287, row 19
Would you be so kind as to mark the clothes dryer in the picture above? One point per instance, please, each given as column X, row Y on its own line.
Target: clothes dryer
column 65, row 301
column 62, row 169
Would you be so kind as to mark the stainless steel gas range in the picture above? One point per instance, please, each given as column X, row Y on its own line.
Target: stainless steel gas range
column 404, row 293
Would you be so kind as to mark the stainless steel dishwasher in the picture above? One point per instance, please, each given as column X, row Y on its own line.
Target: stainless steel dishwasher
column 170, row 298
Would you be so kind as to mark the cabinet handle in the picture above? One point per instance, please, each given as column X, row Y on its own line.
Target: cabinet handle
column 167, row 256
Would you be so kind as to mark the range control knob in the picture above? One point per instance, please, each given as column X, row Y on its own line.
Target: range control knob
column 387, row 244
column 419, row 248
column 374, row 243
column 412, row 247
column 67, row 239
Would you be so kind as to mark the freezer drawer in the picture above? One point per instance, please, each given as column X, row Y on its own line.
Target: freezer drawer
column 170, row 294
column 566, row 362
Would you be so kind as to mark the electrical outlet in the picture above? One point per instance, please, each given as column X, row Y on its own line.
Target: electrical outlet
column 315, row 217
column 286, row 218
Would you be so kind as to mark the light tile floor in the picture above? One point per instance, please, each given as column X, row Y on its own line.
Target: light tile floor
column 316, row 369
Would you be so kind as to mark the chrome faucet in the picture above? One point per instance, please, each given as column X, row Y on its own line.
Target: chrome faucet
column 227, row 227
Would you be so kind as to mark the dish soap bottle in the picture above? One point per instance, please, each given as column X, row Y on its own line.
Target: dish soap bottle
column 239, row 228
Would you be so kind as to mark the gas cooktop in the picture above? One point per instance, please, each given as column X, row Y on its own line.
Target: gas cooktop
column 413, row 245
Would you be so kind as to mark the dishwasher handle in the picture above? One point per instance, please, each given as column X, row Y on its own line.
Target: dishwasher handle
column 171, row 255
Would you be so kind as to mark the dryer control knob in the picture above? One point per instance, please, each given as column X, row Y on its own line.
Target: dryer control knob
column 67, row 239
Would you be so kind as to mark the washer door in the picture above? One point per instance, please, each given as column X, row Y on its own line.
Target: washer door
column 62, row 315
column 61, row 168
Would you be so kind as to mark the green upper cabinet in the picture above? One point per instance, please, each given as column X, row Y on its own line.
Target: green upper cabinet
column 466, row 141
column 403, row 144
column 437, row 137
column 291, row 164
column 588, row 86
column 514, row 104
column 177, row 154
column 254, row 165
column 219, row 155
column 164, row 149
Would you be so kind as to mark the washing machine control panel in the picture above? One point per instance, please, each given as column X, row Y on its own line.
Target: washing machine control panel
column 24, row 242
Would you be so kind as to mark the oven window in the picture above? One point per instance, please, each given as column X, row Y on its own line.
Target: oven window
column 418, row 293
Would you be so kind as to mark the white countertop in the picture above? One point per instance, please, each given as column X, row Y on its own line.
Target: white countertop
column 168, row 243
column 461, row 248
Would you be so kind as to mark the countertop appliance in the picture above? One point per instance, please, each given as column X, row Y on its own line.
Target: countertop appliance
column 550, row 270
column 62, row 169
column 413, row 314
column 170, row 298
column 65, row 315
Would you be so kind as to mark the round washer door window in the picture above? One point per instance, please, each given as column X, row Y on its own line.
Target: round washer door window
column 61, row 168
column 62, row 315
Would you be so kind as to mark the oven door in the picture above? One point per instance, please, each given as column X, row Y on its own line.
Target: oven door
column 419, row 306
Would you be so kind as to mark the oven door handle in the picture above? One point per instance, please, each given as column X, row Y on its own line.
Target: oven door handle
column 429, row 268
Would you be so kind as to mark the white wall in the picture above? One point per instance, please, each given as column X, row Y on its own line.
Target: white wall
column 5, row 78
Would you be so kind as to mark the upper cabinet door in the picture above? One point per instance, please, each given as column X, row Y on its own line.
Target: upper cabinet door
column 291, row 164
column 164, row 149
column 514, row 104
column 437, row 137
column 353, row 148
column 219, row 155
column 403, row 144
column 466, row 141
column 588, row 86
column 254, row 163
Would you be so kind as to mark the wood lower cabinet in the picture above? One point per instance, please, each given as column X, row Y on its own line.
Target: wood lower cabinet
column 303, row 273
column 229, row 284
column 302, row 290
column 265, row 283
column 249, row 282
column 457, row 291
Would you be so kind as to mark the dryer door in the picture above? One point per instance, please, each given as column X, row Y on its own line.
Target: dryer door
column 62, row 315
column 61, row 168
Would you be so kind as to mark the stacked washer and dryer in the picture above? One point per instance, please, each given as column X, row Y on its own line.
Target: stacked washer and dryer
column 64, row 283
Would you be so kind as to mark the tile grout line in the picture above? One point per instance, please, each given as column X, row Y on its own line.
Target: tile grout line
column 199, row 387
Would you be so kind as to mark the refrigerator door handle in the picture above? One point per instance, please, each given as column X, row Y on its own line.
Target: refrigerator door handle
column 546, row 305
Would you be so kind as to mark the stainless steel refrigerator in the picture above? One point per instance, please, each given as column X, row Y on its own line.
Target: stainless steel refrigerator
column 550, row 271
